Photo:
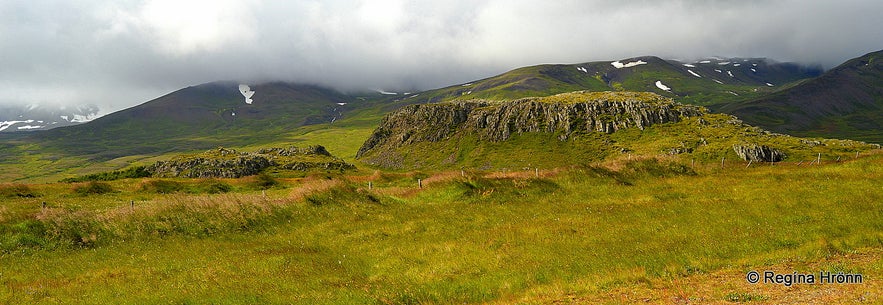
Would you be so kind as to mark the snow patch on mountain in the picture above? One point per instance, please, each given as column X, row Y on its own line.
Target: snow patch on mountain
column 6, row 124
column 29, row 127
column 617, row 64
column 730, row 73
column 247, row 93
column 717, row 81
column 689, row 66
column 662, row 86
column 584, row 70
column 78, row 118
column 385, row 92
column 694, row 73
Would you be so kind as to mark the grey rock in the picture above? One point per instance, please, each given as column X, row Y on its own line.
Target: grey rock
column 758, row 153
column 497, row 121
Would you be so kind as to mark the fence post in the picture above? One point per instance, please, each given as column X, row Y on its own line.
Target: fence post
column 132, row 205
column 370, row 185
column 819, row 159
column 722, row 161
column 536, row 172
column 420, row 182
column 43, row 206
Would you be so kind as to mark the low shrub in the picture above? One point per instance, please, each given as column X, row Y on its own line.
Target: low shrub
column 656, row 168
column 213, row 187
column 93, row 188
column 16, row 190
column 162, row 186
column 132, row 172
column 264, row 181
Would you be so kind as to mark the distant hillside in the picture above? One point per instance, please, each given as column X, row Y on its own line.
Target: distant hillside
column 704, row 82
column 845, row 102
column 575, row 128
column 202, row 117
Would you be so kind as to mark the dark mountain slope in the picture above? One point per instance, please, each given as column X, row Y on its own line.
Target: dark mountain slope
column 845, row 102
column 201, row 117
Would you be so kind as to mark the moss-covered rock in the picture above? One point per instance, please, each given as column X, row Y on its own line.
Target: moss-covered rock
column 228, row 163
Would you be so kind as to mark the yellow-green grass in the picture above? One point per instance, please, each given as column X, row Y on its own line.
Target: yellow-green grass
column 582, row 234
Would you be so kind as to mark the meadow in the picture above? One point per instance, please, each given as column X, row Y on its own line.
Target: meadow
column 617, row 232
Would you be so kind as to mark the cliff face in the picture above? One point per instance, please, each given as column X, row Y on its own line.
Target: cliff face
column 562, row 115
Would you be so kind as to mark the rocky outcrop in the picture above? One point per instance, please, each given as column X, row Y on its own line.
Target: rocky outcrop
column 228, row 163
column 758, row 153
column 562, row 115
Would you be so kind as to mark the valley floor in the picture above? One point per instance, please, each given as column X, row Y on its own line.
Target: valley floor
column 634, row 232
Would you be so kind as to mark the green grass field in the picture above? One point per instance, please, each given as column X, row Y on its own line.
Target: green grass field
column 619, row 232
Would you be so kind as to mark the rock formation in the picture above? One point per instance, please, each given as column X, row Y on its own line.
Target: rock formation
column 758, row 153
column 228, row 163
column 563, row 115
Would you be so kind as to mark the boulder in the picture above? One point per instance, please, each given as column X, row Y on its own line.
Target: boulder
column 758, row 153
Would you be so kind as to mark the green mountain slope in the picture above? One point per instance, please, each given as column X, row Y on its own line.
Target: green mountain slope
column 845, row 102
column 704, row 82
column 577, row 128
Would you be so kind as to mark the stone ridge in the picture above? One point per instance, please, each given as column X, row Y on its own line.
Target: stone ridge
column 228, row 163
column 495, row 121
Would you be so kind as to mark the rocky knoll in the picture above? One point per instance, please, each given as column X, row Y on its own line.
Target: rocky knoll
column 562, row 115
column 228, row 163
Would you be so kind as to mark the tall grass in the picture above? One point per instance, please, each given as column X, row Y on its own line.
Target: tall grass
column 464, row 238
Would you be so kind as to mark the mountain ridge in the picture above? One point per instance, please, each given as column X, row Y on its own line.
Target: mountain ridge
column 846, row 101
column 703, row 82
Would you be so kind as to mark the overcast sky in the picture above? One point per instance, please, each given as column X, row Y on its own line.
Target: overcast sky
column 118, row 54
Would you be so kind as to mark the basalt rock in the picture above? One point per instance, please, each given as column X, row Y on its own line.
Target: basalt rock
column 563, row 115
column 758, row 153
column 228, row 163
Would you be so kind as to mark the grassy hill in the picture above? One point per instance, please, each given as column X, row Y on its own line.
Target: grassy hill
column 845, row 102
column 572, row 128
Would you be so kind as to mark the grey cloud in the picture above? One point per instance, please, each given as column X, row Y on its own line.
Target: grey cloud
column 123, row 53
